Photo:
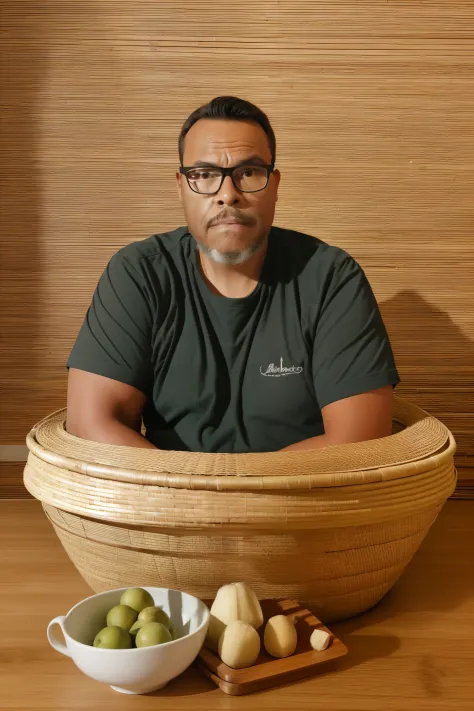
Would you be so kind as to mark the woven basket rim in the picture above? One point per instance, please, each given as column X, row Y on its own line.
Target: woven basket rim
column 302, row 470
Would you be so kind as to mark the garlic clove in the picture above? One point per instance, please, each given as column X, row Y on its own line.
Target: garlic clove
column 319, row 640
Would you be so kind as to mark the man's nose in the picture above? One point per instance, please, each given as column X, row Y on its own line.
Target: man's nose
column 228, row 194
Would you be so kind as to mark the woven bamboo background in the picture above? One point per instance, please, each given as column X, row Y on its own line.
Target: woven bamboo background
column 372, row 104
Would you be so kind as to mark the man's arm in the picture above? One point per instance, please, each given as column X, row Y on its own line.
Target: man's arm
column 110, row 365
column 104, row 410
column 354, row 419
column 353, row 366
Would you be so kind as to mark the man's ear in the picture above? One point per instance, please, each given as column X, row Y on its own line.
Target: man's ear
column 179, row 186
column 277, row 177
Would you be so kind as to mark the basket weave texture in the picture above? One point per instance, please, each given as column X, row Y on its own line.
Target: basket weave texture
column 333, row 528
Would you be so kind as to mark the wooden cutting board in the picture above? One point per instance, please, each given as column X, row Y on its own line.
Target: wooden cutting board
column 268, row 671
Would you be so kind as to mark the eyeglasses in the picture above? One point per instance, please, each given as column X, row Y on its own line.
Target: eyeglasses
column 207, row 180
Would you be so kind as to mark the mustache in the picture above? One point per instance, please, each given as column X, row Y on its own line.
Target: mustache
column 231, row 215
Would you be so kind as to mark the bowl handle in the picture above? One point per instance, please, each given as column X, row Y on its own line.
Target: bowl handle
column 54, row 642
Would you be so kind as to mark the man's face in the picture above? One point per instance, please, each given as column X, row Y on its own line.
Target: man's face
column 227, row 143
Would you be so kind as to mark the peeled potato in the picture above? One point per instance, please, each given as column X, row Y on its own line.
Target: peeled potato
column 280, row 638
column 239, row 645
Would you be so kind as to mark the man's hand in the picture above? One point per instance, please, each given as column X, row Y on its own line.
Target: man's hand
column 354, row 419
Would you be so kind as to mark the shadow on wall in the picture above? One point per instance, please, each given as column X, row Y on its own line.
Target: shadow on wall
column 23, row 67
column 436, row 363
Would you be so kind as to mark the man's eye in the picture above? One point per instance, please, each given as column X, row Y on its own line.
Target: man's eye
column 203, row 175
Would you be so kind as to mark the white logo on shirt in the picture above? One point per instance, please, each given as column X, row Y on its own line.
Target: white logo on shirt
column 276, row 371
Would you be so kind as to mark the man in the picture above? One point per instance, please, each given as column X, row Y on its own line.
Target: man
column 229, row 334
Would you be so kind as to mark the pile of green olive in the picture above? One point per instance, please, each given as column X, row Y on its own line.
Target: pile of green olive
column 135, row 622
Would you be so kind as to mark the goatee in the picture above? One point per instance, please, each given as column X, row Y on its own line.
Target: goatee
column 230, row 258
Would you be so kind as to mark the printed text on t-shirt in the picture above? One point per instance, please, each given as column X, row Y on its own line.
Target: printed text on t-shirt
column 276, row 371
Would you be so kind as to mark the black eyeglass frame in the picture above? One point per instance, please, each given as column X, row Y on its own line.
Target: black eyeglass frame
column 270, row 167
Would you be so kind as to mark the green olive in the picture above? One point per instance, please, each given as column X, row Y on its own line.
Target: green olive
column 154, row 614
column 113, row 638
column 137, row 599
column 121, row 616
column 151, row 634
column 151, row 614
column 174, row 634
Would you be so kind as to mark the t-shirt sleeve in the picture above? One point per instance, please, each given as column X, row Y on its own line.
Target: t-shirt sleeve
column 352, row 352
column 115, row 337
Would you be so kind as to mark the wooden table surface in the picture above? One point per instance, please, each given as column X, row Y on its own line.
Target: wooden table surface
column 415, row 650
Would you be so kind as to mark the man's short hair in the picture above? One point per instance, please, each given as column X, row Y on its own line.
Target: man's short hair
column 230, row 108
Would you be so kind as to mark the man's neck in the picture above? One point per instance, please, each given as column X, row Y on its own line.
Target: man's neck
column 235, row 281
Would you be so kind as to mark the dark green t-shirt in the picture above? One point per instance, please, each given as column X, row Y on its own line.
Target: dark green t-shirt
column 235, row 375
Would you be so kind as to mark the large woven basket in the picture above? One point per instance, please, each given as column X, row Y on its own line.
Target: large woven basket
column 333, row 528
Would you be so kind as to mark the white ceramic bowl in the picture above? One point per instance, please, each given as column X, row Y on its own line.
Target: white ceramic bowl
column 132, row 671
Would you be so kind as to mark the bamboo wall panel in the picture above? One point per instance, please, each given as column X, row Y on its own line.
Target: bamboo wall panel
column 372, row 104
